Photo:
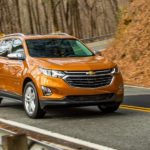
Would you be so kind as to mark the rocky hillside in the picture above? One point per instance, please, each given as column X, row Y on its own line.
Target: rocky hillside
column 131, row 47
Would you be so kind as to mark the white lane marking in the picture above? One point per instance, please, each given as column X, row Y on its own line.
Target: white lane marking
column 139, row 87
column 56, row 135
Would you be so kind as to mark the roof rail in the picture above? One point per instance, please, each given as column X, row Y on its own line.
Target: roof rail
column 58, row 33
column 14, row 34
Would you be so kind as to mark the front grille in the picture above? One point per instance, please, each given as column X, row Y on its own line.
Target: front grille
column 98, row 97
column 85, row 80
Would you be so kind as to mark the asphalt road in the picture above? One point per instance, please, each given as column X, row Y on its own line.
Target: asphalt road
column 127, row 129
column 99, row 45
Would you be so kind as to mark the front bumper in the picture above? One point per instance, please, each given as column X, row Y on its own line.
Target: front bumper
column 87, row 100
column 61, row 89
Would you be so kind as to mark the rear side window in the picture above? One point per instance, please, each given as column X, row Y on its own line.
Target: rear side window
column 17, row 46
column 5, row 47
column 10, row 46
column 0, row 46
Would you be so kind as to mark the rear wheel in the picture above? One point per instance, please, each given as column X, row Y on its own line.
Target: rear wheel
column 31, row 102
column 109, row 108
column 1, row 100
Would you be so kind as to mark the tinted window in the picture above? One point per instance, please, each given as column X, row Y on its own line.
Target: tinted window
column 5, row 47
column 17, row 46
column 10, row 46
column 57, row 48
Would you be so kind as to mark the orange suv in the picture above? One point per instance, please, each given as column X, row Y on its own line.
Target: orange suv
column 57, row 70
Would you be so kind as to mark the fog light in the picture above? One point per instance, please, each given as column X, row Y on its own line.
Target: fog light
column 121, row 87
column 46, row 91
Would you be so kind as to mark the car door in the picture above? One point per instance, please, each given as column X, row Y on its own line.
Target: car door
column 16, row 68
column 1, row 65
column 4, row 47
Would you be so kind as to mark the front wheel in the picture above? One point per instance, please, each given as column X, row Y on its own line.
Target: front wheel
column 31, row 102
column 109, row 108
column 1, row 100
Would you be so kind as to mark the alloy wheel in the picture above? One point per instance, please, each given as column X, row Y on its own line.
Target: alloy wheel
column 30, row 100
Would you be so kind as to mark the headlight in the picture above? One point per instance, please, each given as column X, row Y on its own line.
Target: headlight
column 52, row 73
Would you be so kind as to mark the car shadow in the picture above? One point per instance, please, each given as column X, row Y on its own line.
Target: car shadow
column 11, row 103
column 86, row 112
column 79, row 113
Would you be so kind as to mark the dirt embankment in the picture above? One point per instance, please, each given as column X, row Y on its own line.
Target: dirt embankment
column 131, row 47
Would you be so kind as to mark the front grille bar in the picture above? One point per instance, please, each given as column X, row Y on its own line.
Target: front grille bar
column 83, row 80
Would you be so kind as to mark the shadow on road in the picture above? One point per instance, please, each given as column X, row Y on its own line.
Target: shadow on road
column 16, row 107
column 78, row 112
column 84, row 112
column 13, row 104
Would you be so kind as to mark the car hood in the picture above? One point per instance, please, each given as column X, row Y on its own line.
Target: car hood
column 76, row 63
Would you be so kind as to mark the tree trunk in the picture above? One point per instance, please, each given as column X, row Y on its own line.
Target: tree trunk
column 81, row 18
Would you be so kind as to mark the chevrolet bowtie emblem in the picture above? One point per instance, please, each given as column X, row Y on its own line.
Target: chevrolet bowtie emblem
column 90, row 73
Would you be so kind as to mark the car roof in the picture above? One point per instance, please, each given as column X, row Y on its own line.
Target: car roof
column 39, row 36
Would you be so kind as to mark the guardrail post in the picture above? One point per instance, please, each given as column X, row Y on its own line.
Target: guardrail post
column 14, row 142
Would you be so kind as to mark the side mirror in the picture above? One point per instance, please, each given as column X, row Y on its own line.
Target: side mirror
column 97, row 53
column 17, row 56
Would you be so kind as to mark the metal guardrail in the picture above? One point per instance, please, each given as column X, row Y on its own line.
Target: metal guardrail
column 103, row 37
column 9, row 139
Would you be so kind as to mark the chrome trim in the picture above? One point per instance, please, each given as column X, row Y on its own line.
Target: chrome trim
column 98, row 71
column 14, row 34
column 66, row 76
column 87, row 75
column 59, row 33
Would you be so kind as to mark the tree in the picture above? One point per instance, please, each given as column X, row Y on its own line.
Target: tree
column 81, row 18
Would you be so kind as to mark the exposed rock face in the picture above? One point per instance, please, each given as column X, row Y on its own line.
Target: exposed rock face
column 131, row 47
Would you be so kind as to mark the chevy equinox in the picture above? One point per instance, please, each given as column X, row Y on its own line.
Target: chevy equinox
column 57, row 70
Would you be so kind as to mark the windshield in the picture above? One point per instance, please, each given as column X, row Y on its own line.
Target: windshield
column 57, row 48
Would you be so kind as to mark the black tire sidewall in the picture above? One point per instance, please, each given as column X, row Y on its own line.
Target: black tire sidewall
column 109, row 108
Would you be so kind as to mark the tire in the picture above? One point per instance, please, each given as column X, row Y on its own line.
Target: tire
column 31, row 102
column 1, row 100
column 109, row 108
